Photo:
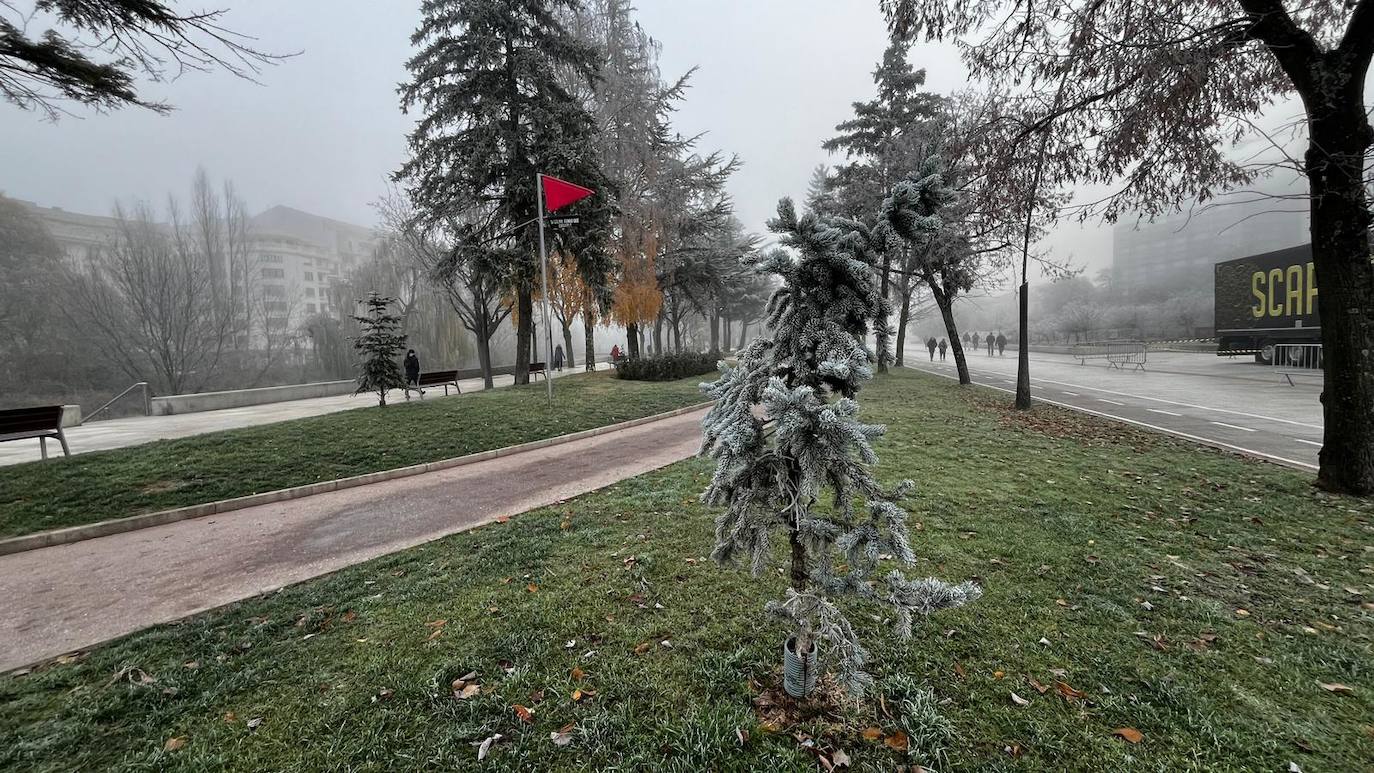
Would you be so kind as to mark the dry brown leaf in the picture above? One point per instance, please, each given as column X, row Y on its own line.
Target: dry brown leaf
column 1128, row 734
column 839, row 758
column 1040, row 688
column 525, row 715
column 897, row 741
column 643, row 648
column 174, row 743
column 350, row 616
column 503, row 519
column 230, row 717
column 531, row 587
column 580, row 695
column 1068, row 692
column 577, row 673
column 435, row 633
column 998, row 674
column 1336, row 687
column 467, row 691
column 563, row 736
column 383, row 694
column 959, row 669
column 873, row 734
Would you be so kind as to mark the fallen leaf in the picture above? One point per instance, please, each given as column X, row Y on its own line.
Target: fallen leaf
column 484, row 746
column 1128, row 734
column 897, row 741
column 383, row 694
column 643, row 648
column 467, row 691
column 531, row 587
column 839, row 758
column 1040, row 688
column 998, row 674
column 1242, row 613
column 742, row 735
column 562, row 736
column 1069, row 692
column 1336, row 687
column 1019, row 701
column 254, row 723
column 191, row 664
column 503, row 519
column 959, row 669
column 526, row 715
column 174, row 743
column 230, row 717
column 436, row 633
column 350, row 616
column 537, row 697
column 872, row 734
column 577, row 673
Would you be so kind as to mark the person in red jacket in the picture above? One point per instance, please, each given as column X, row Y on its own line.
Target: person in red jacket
column 615, row 354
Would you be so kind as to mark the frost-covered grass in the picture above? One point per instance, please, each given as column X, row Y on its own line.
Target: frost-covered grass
column 1130, row 555
column 204, row 468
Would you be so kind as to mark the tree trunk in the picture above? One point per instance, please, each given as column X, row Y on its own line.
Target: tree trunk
column 715, row 331
column 743, row 333
column 632, row 340
column 567, row 345
column 902, row 319
column 588, row 340
column 484, row 351
column 658, row 333
column 881, row 332
column 725, row 331
column 1340, row 136
column 946, row 304
column 525, row 310
column 677, row 335
column 1023, row 396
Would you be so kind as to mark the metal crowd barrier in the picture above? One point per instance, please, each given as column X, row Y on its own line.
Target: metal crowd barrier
column 1291, row 360
column 1118, row 354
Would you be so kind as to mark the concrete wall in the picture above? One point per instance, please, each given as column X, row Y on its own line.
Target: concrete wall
column 237, row 398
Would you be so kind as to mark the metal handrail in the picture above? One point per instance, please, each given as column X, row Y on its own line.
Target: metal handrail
column 147, row 401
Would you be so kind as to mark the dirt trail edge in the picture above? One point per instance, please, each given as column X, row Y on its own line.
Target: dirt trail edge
column 68, row 597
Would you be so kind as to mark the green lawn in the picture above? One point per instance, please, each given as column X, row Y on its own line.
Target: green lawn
column 205, row 468
column 1200, row 599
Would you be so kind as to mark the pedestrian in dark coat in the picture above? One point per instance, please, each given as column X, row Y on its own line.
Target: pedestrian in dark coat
column 930, row 344
column 558, row 357
column 991, row 342
column 1001, row 345
column 412, row 369
column 943, row 346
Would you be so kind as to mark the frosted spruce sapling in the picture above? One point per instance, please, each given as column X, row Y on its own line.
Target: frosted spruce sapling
column 772, row 478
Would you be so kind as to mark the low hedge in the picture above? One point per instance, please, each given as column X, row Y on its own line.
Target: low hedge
column 667, row 367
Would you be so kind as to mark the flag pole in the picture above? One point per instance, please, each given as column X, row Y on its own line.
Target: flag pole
column 544, row 278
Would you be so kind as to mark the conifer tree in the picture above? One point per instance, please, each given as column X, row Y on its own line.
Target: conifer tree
column 379, row 346
column 491, row 81
column 772, row 478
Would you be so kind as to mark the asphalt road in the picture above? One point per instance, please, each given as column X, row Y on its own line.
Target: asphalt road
column 1228, row 403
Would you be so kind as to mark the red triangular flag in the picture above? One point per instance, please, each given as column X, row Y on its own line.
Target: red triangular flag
column 560, row 193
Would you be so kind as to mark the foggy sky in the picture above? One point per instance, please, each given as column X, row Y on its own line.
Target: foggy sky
column 322, row 130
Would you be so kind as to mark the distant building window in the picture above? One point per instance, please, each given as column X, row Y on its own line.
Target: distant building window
column 274, row 273
column 271, row 258
column 309, row 275
column 274, row 291
column 310, row 308
column 275, row 305
column 310, row 292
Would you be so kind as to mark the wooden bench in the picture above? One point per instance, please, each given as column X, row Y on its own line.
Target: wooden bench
column 538, row 369
column 444, row 378
column 42, row 422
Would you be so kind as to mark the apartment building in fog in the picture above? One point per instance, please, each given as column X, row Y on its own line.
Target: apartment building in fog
column 296, row 255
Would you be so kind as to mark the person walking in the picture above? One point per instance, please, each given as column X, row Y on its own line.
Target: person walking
column 930, row 344
column 991, row 342
column 558, row 357
column 943, row 346
column 1001, row 345
column 412, row 369
column 615, row 354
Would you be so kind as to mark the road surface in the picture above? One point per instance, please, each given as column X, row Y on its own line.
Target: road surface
column 1228, row 403
column 58, row 599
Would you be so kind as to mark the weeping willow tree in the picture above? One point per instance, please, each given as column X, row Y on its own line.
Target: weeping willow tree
column 793, row 459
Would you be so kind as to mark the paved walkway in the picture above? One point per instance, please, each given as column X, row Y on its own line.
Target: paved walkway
column 1231, row 403
column 62, row 598
column 132, row 431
